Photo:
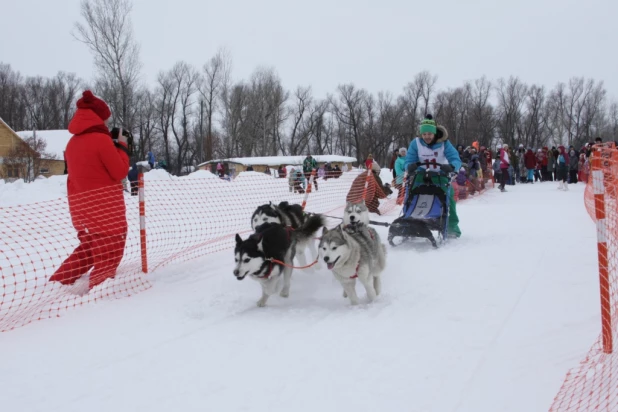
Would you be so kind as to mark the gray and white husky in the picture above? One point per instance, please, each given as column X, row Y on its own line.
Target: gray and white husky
column 353, row 252
column 268, row 254
column 355, row 212
column 291, row 215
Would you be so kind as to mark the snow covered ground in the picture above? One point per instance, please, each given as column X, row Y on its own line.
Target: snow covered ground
column 491, row 322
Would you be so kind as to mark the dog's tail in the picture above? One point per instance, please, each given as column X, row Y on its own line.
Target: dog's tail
column 312, row 224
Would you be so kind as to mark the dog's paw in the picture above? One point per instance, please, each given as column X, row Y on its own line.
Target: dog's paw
column 285, row 293
column 345, row 294
column 261, row 303
column 354, row 302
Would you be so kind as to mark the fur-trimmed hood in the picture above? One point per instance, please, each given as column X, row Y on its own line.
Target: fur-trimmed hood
column 441, row 134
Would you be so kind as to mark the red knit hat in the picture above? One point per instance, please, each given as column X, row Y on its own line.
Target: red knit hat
column 92, row 102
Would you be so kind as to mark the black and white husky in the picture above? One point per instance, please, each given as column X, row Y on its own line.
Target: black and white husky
column 268, row 254
column 354, row 252
column 291, row 215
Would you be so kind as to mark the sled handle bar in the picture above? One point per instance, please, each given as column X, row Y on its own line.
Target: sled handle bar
column 371, row 222
column 446, row 168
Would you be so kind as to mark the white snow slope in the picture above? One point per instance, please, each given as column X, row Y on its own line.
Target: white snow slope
column 490, row 322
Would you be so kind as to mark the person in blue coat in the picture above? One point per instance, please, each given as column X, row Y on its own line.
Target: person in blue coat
column 151, row 159
column 434, row 145
column 400, row 171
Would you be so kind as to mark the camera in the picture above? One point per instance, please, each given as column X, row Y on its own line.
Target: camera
column 118, row 131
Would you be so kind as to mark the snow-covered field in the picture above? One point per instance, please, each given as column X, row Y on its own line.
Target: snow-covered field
column 491, row 322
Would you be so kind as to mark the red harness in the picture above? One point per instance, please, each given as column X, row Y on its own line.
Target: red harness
column 288, row 229
column 355, row 273
column 358, row 266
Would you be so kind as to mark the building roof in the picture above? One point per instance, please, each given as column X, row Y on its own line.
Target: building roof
column 281, row 160
column 56, row 140
column 7, row 125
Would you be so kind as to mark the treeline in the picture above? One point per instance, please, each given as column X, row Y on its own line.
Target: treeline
column 193, row 114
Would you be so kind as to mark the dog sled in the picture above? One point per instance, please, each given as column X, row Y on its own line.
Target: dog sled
column 426, row 205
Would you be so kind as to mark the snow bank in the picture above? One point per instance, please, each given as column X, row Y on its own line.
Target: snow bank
column 19, row 192
column 491, row 322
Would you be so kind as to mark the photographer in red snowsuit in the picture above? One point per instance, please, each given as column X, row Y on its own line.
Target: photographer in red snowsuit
column 97, row 165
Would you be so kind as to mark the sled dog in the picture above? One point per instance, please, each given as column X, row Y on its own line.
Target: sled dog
column 355, row 212
column 289, row 215
column 268, row 254
column 353, row 252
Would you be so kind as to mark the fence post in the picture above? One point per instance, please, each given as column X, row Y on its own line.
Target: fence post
column 369, row 176
column 599, row 207
column 308, row 189
column 142, row 220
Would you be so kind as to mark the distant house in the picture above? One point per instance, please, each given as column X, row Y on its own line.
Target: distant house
column 56, row 144
column 9, row 140
column 235, row 165
column 15, row 168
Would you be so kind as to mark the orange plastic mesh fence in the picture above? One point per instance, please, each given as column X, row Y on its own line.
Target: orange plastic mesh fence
column 473, row 186
column 185, row 218
column 593, row 384
column 45, row 250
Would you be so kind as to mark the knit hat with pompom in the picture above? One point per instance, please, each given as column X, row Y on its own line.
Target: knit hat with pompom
column 94, row 103
column 428, row 125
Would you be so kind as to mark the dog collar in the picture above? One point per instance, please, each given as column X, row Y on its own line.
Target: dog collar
column 268, row 273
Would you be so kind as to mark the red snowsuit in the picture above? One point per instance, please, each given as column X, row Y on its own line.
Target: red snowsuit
column 96, row 200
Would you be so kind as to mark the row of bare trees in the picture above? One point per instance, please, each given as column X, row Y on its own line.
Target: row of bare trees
column 191, row 114
column 37, row 102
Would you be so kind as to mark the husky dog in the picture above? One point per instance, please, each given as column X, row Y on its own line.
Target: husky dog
column 354, row 252
column 355, row 213
column 288, row 215
column 268, row 254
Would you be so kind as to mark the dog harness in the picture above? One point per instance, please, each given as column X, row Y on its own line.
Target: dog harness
column 270, row 271
column 355, row 275
column 288, row 229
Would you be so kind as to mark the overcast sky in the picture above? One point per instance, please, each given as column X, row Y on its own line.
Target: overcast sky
column 378, row 45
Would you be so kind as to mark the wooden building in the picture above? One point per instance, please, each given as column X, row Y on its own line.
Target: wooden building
column 11, row 140
column 235, row 165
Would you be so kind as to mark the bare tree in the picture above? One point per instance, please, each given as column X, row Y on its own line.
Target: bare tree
column 483, row 123
column 69, row 85
column 350, row 112
column 164, row 109
column 265, row 113
column 426, row 84
column 453, row 109
column 108, row 33
column 234, row 121
column 184, row 85
column 12, row 107
column 146, row 124
column 216, row 71
column 302, row 127
column 532, row 129
column 511, row 97
column 410, row 102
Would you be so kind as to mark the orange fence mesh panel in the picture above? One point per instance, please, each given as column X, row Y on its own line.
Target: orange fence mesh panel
column 185, row 218
column 593, row 384
column 473, row 186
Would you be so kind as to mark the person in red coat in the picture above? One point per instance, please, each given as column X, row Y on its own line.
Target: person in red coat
column 530, row 163
column 96, row 167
